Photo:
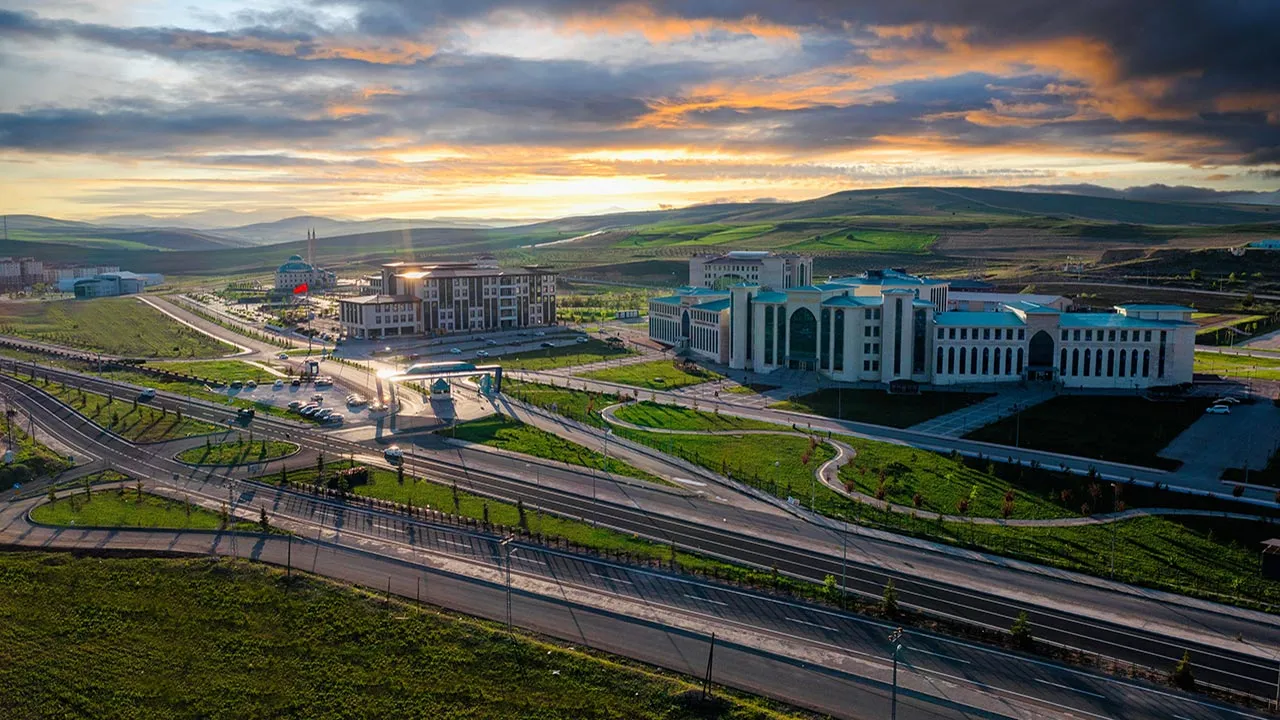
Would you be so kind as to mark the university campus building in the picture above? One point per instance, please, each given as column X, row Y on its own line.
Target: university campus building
column 446, row 297
column 887, row 325
column 776, row 270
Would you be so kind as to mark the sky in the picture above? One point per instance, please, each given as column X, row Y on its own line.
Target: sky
column 544, row 108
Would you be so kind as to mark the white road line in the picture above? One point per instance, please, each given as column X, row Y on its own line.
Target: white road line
column 813, row 624
column 454, row 543
column 608, row 577
column 1068, row 687
column 528, row 560
column 948, row 657
column 714, row 602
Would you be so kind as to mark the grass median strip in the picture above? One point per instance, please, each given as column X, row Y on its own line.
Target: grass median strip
column 223, row 638
column 654, row 375
column 133, row 420
column 502, row 432
column 130, row 508
column 237, row 452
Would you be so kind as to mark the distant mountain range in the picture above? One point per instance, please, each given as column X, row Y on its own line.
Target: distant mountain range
column 1151, row 205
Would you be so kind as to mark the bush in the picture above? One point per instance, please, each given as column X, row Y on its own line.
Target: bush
column 1182, row 675
column 1021, row 631
column 889, row 602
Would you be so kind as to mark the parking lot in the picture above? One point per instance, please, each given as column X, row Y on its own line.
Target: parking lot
column 1248, row 435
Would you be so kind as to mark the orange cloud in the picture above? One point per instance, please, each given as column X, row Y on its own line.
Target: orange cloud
column 385, row 52
column 657, row 28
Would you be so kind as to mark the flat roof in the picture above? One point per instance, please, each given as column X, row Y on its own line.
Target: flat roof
column 668, row 300
column 852, row 301
column 1155, row 307
column 714, row 305
column 379, row 299
column 1116, row 320
column 963, row 296
column 771, row 297
column 957, row 318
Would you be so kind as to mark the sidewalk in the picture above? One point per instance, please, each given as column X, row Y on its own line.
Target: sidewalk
column 959, row 423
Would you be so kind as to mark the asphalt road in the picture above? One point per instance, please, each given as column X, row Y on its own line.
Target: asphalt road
column 1144, row 637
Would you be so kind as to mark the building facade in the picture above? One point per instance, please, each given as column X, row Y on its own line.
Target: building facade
column 295, row 271
column 462, row 296
column 886, row 326
column 19, row 273
column 110, row 284
column 762, row 267
column 377, row 316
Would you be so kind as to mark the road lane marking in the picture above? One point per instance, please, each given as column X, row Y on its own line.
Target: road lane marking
column 812, row 624
column 1068, row 687
column 935, row 654
column 714, row 602
column 528, row 560
column 608, row 577
column 455, row 543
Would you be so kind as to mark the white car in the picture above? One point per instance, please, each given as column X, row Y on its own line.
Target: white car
column 147, row 394
column 323, row 413
column 1218, row 410
column 334, row 419
column 490, row 343
column 277, row 385
column 295, row 405
column 308, row 410
column 482, row 353
column 394, row 455
column 455, row 351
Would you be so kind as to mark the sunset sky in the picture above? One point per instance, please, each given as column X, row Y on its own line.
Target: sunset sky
column 416, row 108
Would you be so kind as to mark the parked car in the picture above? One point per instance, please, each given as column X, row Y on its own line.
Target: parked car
column 393, row 455
column 147, row 394
column 282, row 356
column 308, row 410
column 323, row 381
column 317, row 396
column 357, row 400
column 322, row 413
column 1219, row 410
column 294, row 405
column 455, row 351
column 236, row 384
column 277, row 384
column 251, row 384
column 334, row 419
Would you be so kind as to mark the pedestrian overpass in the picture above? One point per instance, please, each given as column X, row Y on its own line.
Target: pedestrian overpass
column 387, row 380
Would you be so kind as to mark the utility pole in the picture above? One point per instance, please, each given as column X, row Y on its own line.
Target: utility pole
column 711, row 656
column 894, row 638
column 505, row 543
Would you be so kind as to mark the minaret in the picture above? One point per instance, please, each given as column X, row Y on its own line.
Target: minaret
column 311, row 247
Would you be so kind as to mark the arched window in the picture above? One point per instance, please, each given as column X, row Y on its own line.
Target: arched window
column 963, row 357
column 1062, row 364
column 1075, row 362
column 986, row 361
column 1133, row 364
column 1146, row 363
column 1097, row 362
column 1019, row 361
column 1008, row 361
column 1088, row 357
column 951, row 361
column 973, row 359
column 939, row 370
column 1124, row 355
column 1111, row 363
column 995, row 362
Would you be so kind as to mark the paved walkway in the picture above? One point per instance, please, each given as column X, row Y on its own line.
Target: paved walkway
column 997, row 407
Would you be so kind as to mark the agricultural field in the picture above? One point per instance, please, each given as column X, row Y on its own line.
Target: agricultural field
column 652, row 375
column 114, row 326
column 856, row 240
column 505, row 433
column 879, row 407
column 223, row 638
column 126, row 507
column 566, row 355
column 1260, row 367
column 237, row 452
column 1119, row 429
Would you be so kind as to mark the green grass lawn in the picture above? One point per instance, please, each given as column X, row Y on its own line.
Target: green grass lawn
column 125, row 508
column 566, row 354
column 117, row 326
column 506, row 433
column 225, row 371
column 857, row 240
column 132, row 420
column 30, row 458
column 671, row 417
column 237, row 452
column 878, row 406
column 574, row 404
column 652, row 375
column 205, row 638
column 1115, row 428
column 1260, row 367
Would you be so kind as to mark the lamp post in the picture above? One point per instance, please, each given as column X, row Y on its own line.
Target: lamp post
column 895, row 637
column 505, row 544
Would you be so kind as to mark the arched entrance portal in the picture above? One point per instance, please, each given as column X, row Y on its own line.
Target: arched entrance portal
column 803, row 327
column 1040, row 357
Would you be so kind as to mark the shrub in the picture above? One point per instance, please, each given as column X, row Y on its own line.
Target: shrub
column 1182, row 675
column 1021, row 631
column 889, row 601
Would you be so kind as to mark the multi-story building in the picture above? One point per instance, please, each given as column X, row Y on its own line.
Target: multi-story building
column 763, row 267
column 461, row 296
column 377, row 316
column 886, row 326
column 18, row 273
column 59, row 273
column 110, row 284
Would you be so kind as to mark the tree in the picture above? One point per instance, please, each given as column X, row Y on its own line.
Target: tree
column 1195, row 275
column 485, row 512
column 320, row 467
column 889, row 603
column 524, row 523
column 138, row 486
column 1021, row 631
column 831, row 588
column 266, row 526
column 1182, row 675
column 53, row 496
column 400, row 474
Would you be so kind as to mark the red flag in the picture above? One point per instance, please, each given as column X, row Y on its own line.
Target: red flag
column 300, row 289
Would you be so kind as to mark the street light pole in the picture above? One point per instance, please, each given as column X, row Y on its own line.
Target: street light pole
column 894, row 638
column 507, row 551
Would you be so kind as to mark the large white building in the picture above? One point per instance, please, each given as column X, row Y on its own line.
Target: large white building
column 752, row 266
column 453, row 297
column 110, row 284
column 295, row 271
column 885, row 326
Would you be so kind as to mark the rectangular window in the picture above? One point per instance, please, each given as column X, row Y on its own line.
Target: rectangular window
column 1075, row 335
column 1147, row 336
column 768, row 334
column 986, row 333
column 964, row 333
column 1088, row 335
column 1022, row 334
column 1111, row 336
column 1124, row 336
column 866, row 366
column 897, row 337
column 953, row 333
column 1064, row 335
column 940, row 332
